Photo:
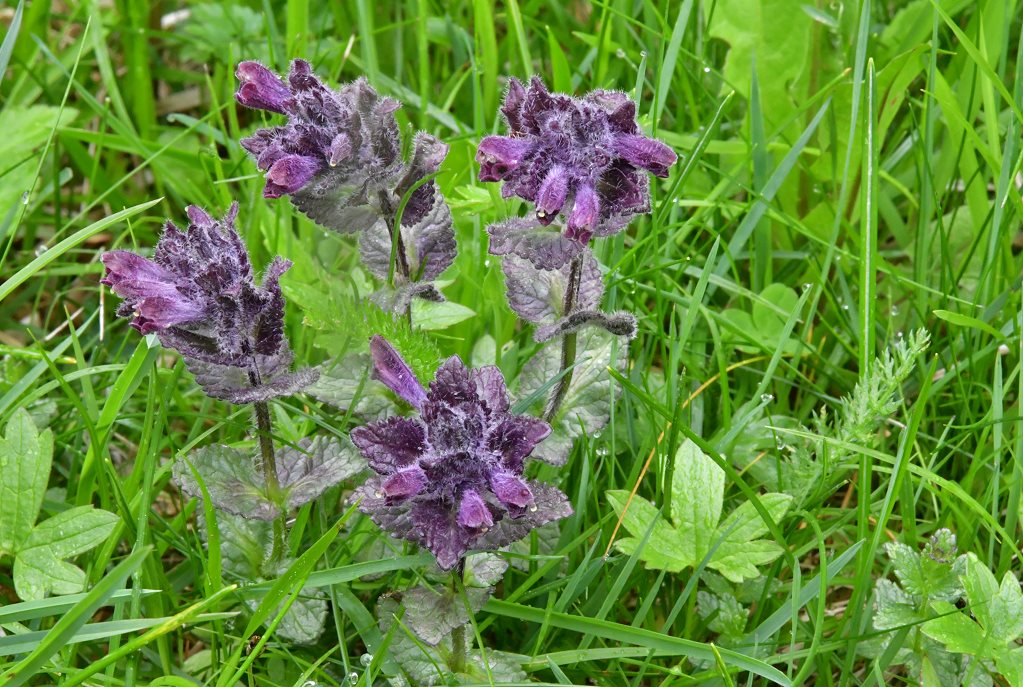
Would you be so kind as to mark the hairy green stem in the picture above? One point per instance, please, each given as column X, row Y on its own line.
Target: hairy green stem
column 399, row 259
column 457, row 662
column 568, row 342
column 273, row 485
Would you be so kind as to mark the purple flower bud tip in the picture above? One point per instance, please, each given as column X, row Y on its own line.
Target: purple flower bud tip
column 261, row 89
column 289, row 174
column 498, row 156
column 551, row 197
column 473, row 512
column 394, row 372
column 585, row 211
column 647, row 153
column 511, row 490
column 589, row 141
column 454, row 472
column 403, row 484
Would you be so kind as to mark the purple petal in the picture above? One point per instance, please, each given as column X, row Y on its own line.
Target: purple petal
column 511, row 490
column 261, row 89
column 648, row 153
column 392, row 444
column 473, row 512
column 132, row 276
column 393, row 371
column 499, row 155
column 159, row 313
column 404, row 483
column 585, row 212
column 551, row 196
column 516, row 437
column 440, row 532
column 289, row 174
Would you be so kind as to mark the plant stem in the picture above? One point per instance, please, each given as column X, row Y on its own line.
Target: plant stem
column 398, row 257
column 273, row 485
column 568, row 342
column 457, row 662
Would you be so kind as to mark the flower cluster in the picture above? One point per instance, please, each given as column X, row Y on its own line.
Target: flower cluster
column 451, row 479
column 339, row 159
column 585, row 158
column 578, row 156
column 199, row 295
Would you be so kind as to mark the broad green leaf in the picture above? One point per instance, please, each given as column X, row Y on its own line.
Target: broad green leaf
column 1010, row 665
column 25, row 130
column 697, row 496
column 740, row 551
column 770, row 313
column 71, row 532
column 38, row 573
column 774, row 32
column 998, row 608
column 958, row 633
column 431, row 316
column 662, row 549
column 745, row 524
column 25, row 457
column 738, row 561
column 697, row 493
column 727, row 616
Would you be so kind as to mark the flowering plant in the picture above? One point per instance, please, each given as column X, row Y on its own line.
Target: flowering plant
column 199, row 295
column 451, row 479
column 338, row 158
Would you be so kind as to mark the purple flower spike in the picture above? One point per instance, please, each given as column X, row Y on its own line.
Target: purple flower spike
column 451, row 478
column 338, row 156
column 582, row 156
column 261, row 89
column 199, row 295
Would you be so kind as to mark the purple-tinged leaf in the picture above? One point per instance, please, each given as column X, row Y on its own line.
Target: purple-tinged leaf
column 546, row 249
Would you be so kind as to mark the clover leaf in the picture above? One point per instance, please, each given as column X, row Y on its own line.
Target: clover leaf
column 41, row 551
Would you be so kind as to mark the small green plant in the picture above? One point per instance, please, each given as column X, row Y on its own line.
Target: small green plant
column 41, row 550
column 695, row 531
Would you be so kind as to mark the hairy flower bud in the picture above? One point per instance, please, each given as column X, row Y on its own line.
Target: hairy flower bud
column 339, row 155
